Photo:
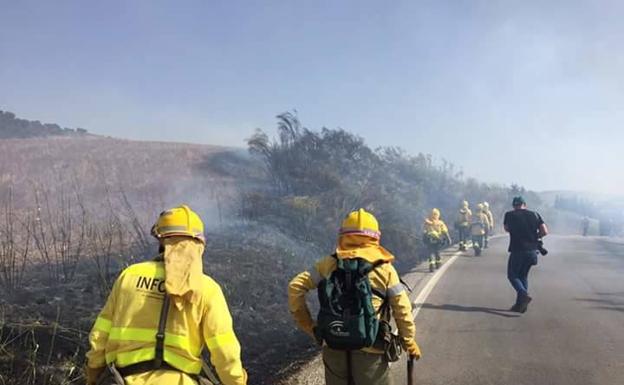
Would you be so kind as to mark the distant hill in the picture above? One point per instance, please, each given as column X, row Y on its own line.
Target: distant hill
column 154, row 173
column 12, row 127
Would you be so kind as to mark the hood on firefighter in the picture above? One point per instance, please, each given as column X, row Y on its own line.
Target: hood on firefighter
column 183, row 269
column 361, row 246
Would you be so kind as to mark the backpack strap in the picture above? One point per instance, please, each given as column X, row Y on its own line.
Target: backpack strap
column 384, row 303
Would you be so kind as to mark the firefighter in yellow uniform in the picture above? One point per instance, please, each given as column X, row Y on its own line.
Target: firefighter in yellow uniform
column 462, row 224
column 435, row 236
column 359, row 238
column 124, row 338
column 490, row 230
column 479, row 227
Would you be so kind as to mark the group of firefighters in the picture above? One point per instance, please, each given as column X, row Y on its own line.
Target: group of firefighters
column 162, row 314
column 477, row 226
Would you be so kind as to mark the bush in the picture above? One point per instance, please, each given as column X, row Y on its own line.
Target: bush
column 314, row 178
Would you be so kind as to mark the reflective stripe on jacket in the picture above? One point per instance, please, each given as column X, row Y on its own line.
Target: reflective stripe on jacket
column 124, row 331
column 383, row 278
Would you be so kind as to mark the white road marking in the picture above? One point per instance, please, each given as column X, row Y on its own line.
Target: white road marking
column 424, row 293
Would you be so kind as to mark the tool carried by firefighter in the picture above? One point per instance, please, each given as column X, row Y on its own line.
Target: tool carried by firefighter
column 410, row 371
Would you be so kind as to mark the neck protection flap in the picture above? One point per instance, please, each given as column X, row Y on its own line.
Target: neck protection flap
column 183, row 269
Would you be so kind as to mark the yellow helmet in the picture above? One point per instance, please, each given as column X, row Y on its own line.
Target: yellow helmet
column 179, row 221
column 465, row 204
column 360, row 222
column 480, row 207
column 435, row 214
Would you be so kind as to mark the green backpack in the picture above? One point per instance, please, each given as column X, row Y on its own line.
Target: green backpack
column 347, row 319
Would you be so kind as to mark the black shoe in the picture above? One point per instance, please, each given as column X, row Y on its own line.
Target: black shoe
column 524, row 304
column 515, row 308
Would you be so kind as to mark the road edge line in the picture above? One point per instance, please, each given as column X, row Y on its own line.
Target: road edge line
column 424, row 293
column 433, row 281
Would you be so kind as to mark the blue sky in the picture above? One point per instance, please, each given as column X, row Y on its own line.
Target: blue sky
column 512, row 92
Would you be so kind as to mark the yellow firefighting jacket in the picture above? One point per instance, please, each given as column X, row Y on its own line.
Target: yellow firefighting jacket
column 464, row 216
column 124, row 331
column 435, row 228
column 490, row 217
column 480, row 224
column 383, row 278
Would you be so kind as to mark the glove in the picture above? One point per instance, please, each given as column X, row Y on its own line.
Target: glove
column 92, row 374
column 412, row 349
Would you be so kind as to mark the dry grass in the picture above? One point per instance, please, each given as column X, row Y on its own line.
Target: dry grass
column 97, row 162
column 88, row 203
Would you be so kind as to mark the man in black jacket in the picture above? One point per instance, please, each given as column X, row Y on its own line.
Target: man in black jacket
column 525, row 229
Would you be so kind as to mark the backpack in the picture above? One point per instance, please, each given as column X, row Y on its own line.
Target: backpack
column 463, row 219
column 477, row 225
column 347, row 319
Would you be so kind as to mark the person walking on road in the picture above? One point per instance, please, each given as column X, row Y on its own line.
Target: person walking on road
column 161, row 314
column 479, row 226
column 490, row 230
column 358, row 289
column 585, row 225
column 435, row 236
column 525, row 228
column 462, row 224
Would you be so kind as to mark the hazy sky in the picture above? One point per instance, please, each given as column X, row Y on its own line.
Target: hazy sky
column 530, row 92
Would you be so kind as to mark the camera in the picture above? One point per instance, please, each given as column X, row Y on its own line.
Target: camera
column 540, row 247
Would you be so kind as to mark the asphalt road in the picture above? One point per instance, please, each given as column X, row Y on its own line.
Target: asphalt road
column 573, row 332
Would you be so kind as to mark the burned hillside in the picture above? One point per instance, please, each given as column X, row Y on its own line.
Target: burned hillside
column 75, row 211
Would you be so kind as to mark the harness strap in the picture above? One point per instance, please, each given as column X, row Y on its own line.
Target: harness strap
column 160, row 336
column 148, row 366
column 384, row 309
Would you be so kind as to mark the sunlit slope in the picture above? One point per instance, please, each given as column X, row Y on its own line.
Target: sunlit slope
column 93, row 165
